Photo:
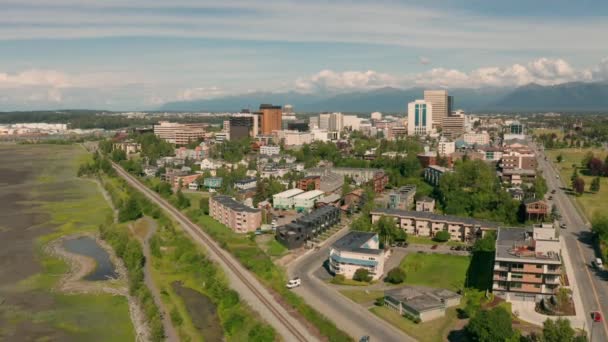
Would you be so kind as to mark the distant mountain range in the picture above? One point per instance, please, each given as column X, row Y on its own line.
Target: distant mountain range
column 575, row 96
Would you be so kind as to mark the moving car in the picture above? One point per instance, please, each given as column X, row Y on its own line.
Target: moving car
column 562, row 225
column 553, row 191
column 597, row 263
column 293, row 283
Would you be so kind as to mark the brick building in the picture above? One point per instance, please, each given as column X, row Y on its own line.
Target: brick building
column 237, row 216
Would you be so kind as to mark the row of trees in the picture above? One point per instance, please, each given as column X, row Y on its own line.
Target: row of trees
column 595, row 166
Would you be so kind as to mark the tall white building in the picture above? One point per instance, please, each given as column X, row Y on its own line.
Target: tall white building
column 445, row 147
column 336, row 122
column 352, row 121
column 324, row 120
column 439, row 100
column 376, row 116
column 419, row 118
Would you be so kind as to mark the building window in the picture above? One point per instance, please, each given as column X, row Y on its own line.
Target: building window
column 516, row 285
column 517, row 276
column 537, row 286
column 539, row 266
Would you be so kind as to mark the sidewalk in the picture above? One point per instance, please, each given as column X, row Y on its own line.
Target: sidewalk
column 526, row 309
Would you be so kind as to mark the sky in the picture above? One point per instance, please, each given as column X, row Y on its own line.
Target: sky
column 139, row 54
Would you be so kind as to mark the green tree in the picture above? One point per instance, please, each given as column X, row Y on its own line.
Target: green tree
column 595, row 184
column 493, row 325
column 555, row 212
column 573, row 177
column 261, row 333
column 130, row 210
column 579, row 185
column 599, row 226
column 362, row 274
column 387, row 230
column 442, row 236
column 539, row 186
column 559, row 330
column 164, row 189
column 181, row 201
column 395, row 276
column 559, row 158
column 586, row 160
column 204, row 205
column 487, row 243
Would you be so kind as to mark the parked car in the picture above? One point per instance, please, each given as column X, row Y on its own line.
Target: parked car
column 434, row 246
column 557, row 176
column 597, row 263
column 364, row 339
column 293, row 283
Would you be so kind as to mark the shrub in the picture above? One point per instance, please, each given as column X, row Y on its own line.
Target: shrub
column 442, row 236
column 395, row 276
column 362, row 274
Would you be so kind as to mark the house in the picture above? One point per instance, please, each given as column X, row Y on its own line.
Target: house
column 285, row 199
column 516, row 193
column 307, row 227
column 527, row 263
column 270, row 150
column 209, row 164
column 193, row 186
column 184, row 181
column 425, row 204
column 536, row 209
column 150, row 171
column 212, row 182
column 419, row 304
column 354, row 199
column 357, row 250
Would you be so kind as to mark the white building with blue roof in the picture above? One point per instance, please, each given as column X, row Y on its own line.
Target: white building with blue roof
column 357, row 250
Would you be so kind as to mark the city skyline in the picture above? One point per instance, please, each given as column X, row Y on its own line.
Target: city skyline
column 140, row 54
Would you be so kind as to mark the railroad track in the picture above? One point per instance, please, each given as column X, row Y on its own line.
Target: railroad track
column 210, row 244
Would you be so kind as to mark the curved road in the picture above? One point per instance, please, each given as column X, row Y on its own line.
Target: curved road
column 353, row 318
column 241, row 280
column 592, row 285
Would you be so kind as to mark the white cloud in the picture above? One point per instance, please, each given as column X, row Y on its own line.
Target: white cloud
column 328, row 80
column 424, row 60
column 199, row 93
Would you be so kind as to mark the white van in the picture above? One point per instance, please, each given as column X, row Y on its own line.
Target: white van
column 598, row 263
column 295, row 282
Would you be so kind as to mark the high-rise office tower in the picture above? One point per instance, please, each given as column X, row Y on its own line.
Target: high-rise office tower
column 324, row 119
column 439, row 100
column 241, row 126
column 419, row 120
column 271, row 118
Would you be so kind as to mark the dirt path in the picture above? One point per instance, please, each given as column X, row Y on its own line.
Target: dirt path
column 170, row 332
column 80, row 266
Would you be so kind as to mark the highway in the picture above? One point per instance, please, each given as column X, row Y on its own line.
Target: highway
column 241, row 280
column 351, row 317
column 593, row 286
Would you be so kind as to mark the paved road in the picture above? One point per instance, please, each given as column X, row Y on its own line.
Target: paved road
column 240, row 279
column 593, row 287
column 347, row 315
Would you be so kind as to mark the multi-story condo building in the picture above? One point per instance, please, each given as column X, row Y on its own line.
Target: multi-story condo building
column 419, row 117
column 307, row 200
column 307, row 227
column 309, row 183
column 445, row 147
column 433, row 173
column 402, row 198
column 377, row 177
column 519, row 160
column 357, row 250
column 420, row 223
column 237, row 216
column 438, row 99
column 285, row 199
column 270, row 150
column 527, row 263
column 453, row 126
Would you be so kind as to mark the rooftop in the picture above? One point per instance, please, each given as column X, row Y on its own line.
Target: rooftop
column 309, row 194
column 229, row 202
column 329, row 198
column 433, row 216
column 356, row 241
column 518, row 244
column 289, row 193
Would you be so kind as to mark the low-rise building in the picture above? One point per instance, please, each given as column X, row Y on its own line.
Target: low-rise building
column 307, row 227
column 446, row 148
column 433, row 174
column 246, row 184
column 420, row 223
column 422, row 305
column 213, row 182
column 402, row 198
column 237, row 216
column 354, row 199
column 270, row 150
column 128, row 146
column 184, row 181
column 309, row 183
column 482, row 138
column 357, row 250
column 305, row 201
column 527, row 263
column 425, row 204
column 285, row 199
column 536, row 209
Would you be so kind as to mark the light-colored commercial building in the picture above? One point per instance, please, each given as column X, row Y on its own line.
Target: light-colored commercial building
column 270, row 150
column 180, row 133
column 518, row 160
column 307, row 200
column 528, row 263
column 419, row 119
column 285, row 199
column 445, row 148
column 427, row 224
column 237, row 216
column 438, row 99
column 357, row 250
column 352, row 122
column 295, row 138
column 453, row 126
column 482, row 138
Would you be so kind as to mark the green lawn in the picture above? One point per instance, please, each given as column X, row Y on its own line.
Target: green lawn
column 590, row 202
column 435, row 270
column 431, row 331
column 275, row 248
column 195, row 198
column 362, row 296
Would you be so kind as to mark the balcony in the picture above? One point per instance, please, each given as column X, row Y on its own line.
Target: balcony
column 498, row 287
column 499, row 277
column 498, row 267
column 552, row 280
column 556, row 271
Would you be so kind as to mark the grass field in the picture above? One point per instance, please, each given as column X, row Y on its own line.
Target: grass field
column 56, row 203
column 435, row 270
column 431, row 331
column 590, row 202
column 558, row 132
column 362, row 296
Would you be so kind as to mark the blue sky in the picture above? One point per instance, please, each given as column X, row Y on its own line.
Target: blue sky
column 138, row 54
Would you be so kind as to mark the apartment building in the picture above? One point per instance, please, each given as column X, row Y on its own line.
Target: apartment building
column 285, row 199
column 482, row 138
column 309, row 181
column 307, row 227
column 246, row 184
column 427, row 224
column 270, row 150
column 425, row 204
column 180, row 133
column 402, row 198
column 376, row 177
column 519, row 160
column 357, row 250
column 453, row 126
column 237, row 216
column 445, row 147
column 184, row 180
column 433, row 174
column 305, row 201
column 527, row 263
